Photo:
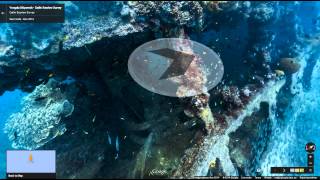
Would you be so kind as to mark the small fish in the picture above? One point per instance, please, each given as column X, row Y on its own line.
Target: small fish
column 94, row 119
column 109, row 139
column 193, row 124
column 117, row 144
column 91, row 94
column 88, row 50
column 50, row 75
column 27, row 72
column 85, row 132
column 279, row 72
column 117, row 155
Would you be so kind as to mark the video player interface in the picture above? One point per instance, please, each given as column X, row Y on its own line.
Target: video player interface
column 159, row 89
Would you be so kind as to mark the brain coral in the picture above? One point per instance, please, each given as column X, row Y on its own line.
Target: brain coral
column 39, row 121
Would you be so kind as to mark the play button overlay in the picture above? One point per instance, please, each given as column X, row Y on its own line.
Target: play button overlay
column 175, row 67
column 180, row 62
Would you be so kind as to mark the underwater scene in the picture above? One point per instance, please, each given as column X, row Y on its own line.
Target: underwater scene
column 84, row 89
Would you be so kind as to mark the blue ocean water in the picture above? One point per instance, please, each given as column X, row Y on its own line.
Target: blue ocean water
column 300, row 126
column 10, row 102
column 302, row 121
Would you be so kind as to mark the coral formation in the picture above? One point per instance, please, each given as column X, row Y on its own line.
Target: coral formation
column 231, row 96
column 188, row 14
column 40, row 118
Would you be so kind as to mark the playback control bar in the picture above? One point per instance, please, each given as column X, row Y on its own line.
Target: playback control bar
column 32, row 13
column 292, row 170
column 309, row 169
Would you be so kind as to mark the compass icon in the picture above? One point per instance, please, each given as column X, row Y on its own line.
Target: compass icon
column 310, row 147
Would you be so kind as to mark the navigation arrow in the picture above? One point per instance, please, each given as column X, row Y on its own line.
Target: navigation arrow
column 180, row 62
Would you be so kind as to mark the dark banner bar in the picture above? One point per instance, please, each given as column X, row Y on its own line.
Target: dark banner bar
column 32, row 13
column 31, row 176
column 36, row 9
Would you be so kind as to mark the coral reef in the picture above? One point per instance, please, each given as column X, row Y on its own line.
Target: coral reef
column 40, row 118
column 231, row 96
column 188, row 14
column 197, row 158
column 83, row 26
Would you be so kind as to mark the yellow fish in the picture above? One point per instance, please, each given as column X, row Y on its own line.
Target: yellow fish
column 279, row 72
column 212, row 164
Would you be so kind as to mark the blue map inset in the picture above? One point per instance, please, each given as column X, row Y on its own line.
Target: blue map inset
column 31, row 161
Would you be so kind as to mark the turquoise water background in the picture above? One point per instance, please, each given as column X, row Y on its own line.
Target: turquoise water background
column 10, row 102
